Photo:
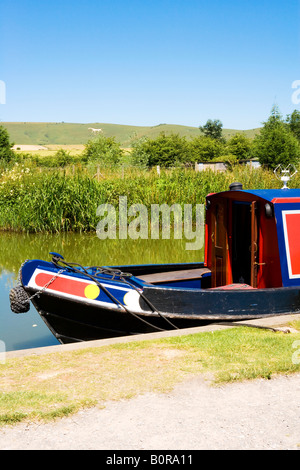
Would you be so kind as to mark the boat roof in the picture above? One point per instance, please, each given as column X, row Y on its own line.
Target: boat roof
column 271, row 195
column 277, row 195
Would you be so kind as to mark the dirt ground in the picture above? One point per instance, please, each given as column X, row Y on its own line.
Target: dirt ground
column 260, row 414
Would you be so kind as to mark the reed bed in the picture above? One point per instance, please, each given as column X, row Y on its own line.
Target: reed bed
column 32, row 200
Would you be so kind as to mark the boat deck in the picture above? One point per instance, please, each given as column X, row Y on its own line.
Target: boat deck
column 175, row 276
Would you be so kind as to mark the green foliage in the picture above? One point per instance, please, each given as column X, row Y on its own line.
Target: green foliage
column 204, row 149
column 212, row 129
column 104, row 150
column 239, row 146
column 171, row 150
column 6, row 154
column 165, row 150
column 63, row 158
column 276, row 143
column 34, row 201
column 229, row 159
column 140, row 154
column 50, row 202
column 60, row 159
column 293, row 121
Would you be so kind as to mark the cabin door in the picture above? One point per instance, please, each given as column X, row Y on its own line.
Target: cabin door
column 254, row 245
column 219, row 243
column 244, row 254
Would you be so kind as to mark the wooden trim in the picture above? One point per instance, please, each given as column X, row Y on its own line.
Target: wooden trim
column 254, row 244
column 174, row 276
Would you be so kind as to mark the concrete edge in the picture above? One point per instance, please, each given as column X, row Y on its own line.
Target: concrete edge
column 268, row 322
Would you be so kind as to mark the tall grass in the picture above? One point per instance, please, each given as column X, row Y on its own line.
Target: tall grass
column 56, row 201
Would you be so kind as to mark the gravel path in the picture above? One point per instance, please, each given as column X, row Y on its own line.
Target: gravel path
column 261, row 414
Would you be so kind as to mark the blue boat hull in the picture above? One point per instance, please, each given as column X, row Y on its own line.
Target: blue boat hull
column 72, row 308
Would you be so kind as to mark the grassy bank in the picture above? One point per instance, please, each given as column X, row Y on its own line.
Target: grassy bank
column 33, row 200
column 59, row 384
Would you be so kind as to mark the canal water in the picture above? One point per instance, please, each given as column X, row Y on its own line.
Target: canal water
column 27, row 330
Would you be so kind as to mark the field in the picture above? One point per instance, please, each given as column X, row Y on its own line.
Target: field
column 49, row 150
column 74, row 134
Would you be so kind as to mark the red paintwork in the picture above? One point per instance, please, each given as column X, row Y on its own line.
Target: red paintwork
column 282, row 200
column 65, row 285
column 269, row 272
column 292, row 226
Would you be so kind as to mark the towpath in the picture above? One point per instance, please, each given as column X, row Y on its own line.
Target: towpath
column 259, row 414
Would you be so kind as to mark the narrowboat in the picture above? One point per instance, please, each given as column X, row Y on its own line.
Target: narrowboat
column 251, row 269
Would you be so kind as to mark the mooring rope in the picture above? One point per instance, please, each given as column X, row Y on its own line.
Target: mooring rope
column 114, row 272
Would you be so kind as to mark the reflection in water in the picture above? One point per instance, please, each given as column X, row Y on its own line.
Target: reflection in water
column 20, row 331
column 28, row 330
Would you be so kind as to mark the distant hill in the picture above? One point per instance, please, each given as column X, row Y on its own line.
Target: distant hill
column 47, row 133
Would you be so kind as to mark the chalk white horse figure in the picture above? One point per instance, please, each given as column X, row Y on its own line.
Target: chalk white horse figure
column 95, row 131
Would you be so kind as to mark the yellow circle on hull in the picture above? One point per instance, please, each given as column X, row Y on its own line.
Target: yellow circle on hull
column 92, row 291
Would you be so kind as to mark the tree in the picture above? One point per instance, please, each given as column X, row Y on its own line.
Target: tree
column 6, row 153
column 275, row 116
column 212, row 129
column 239, row 146
column 293, row 121
column 103, row 150
column 165, row 150
column 204, row 149
column 139, row 155
column 276, row 143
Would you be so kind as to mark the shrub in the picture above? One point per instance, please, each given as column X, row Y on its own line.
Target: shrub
column 239, row 145
column 204, row 149
column 6, row 153
column 165, row 150
column 293, row 121
column 104, row 150
column 276, row 143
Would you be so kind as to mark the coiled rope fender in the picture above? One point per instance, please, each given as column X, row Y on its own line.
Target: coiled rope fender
column 19, row 300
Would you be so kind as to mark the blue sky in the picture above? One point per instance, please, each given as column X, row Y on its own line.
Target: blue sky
column 149, row 62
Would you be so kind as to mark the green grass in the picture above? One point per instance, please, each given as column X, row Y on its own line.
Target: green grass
column 45, row 133
column 59, row 384
column 242, row 355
